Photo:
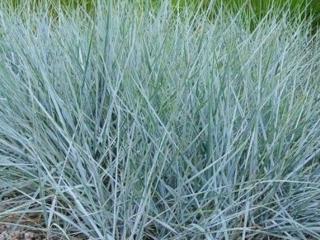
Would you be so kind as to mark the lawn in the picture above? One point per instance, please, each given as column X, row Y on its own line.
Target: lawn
column 135, row 123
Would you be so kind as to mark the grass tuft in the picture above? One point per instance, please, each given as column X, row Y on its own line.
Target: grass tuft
column 137, row 124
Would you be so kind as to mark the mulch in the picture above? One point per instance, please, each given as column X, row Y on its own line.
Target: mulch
column 9, row 233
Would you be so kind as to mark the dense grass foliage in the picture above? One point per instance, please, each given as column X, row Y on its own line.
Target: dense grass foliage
column 139, row 125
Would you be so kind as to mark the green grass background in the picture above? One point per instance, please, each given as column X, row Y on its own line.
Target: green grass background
column 257, row 8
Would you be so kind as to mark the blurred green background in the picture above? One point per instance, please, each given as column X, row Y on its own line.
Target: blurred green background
column 258, row 7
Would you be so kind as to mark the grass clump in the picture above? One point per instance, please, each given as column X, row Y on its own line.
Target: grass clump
column 155, row 125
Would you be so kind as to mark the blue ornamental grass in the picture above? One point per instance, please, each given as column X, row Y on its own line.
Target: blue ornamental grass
column 138, row 124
